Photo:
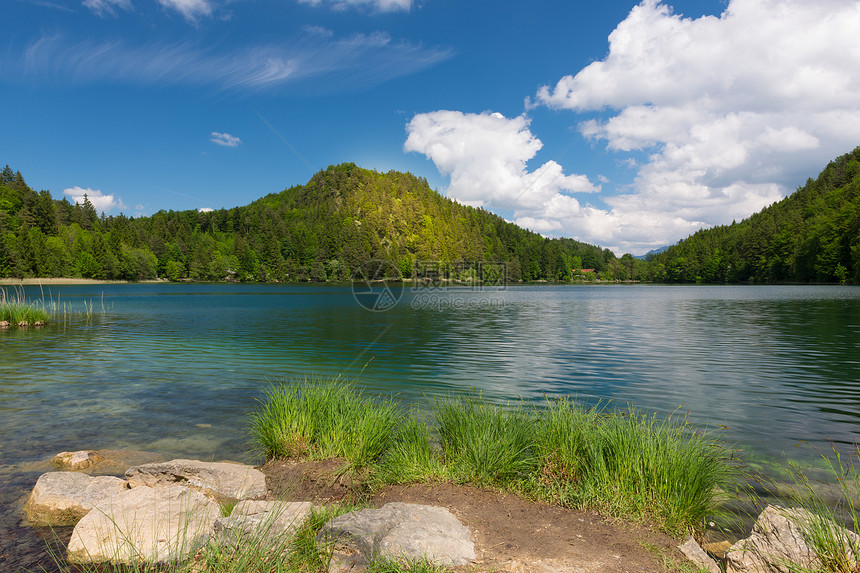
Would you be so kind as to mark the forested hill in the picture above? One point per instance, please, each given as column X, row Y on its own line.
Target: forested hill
column 813, row 235
column 323, row 230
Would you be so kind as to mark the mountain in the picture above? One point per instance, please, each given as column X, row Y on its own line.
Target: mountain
column 811, row 236
column 322, row 230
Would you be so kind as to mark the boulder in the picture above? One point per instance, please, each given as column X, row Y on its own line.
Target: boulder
column 63, row 498
column 163, row 524
column 224, row 479
column 270, row 522
column 696, row 555
column 401, row 530
column 777, row 539
column 80, row 460
column 4, row 324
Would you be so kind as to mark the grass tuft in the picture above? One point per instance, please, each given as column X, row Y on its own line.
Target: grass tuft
column 15, row 309
column 325, row 419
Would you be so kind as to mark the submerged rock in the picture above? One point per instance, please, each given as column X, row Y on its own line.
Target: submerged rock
column 401, row 530
column 63, row 498
column 152, row 525
column 229, row 480
column 80, row 460
column 270, row 522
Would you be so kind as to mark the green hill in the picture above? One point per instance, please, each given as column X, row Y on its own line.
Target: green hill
column 323, row 230
column 811, row 236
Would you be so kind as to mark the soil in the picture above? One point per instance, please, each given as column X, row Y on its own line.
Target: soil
column 510, row 533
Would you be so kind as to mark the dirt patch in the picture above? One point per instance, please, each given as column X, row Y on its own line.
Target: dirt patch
column 510, row 533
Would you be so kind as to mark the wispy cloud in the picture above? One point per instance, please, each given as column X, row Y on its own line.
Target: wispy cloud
column 224, row 139
column 107, row 7
column 378, row 5
column 191, row 10
column 357, row 61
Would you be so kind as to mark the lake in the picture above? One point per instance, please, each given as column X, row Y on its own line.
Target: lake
column 177, row 368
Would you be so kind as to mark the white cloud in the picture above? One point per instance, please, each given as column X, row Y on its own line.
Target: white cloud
column 485, row 156
column 355, row 61
column 107, row 7
column 102, row 203
column 224, row 139
column 191, row 10
column 734, row 111
column 205, row 210
column 378, row 5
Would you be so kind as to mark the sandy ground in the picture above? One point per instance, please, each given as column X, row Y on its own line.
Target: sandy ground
column 510, row 534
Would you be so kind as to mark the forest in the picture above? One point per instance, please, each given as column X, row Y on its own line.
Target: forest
column 345, row 216
column 321, row 231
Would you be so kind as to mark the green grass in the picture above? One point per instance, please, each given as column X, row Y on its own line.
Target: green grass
column 325, row 419
column 630, row 465
column 833, row 514
column 15, row 308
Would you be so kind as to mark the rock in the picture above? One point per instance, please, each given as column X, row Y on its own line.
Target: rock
column 145, row 525
column 63, row 498
column 694, row 553
column 4, row 324
column 80, row 460
column 402, row 530
column 777, row 538
column 229, row 480
column 23, row 324
column 270, row 522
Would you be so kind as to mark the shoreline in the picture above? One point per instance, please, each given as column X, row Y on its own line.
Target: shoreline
column 70, row 281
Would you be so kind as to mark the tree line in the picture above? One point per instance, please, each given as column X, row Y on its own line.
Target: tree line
column 321, row 231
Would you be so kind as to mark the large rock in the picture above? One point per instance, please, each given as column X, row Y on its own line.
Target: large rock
column 271, row 522
column 63, row 498
column 229, row 480
column 777, row 539
column 152, row 525
column 402, row 530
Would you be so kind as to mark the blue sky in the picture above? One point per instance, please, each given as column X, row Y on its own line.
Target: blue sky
column 621, row 124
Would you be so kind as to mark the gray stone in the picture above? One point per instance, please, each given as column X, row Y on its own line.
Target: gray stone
column 777, row 539
column 695, row 554
column 402, row 530
column 235, row 481
column 145, row 525
column 270, row 522
column 63, row 498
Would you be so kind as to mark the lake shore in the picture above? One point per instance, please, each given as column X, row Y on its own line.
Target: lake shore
column 69, row 281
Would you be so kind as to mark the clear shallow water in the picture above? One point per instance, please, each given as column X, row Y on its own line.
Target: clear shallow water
column 176, row 368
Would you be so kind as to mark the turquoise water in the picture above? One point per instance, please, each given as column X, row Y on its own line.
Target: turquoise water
column 176, row 368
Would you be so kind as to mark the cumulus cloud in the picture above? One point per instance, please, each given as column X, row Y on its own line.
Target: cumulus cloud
column 732, row 111
column 102, row 203
column 224, row 139
column 359, row 60
column 378, row 5
column 205, row 210
column 485, row 156
column 191, row 10
column 107, row 7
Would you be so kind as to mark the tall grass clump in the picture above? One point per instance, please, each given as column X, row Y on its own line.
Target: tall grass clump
column 411, row 457
column 485, row 443
column 832, row 516
column 14, row 308
column 633, row 465
column 325, row 419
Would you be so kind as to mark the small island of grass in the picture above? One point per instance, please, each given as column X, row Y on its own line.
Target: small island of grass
column 15, row 310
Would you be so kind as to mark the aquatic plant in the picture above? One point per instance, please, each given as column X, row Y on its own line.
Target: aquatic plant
column 15, row 308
